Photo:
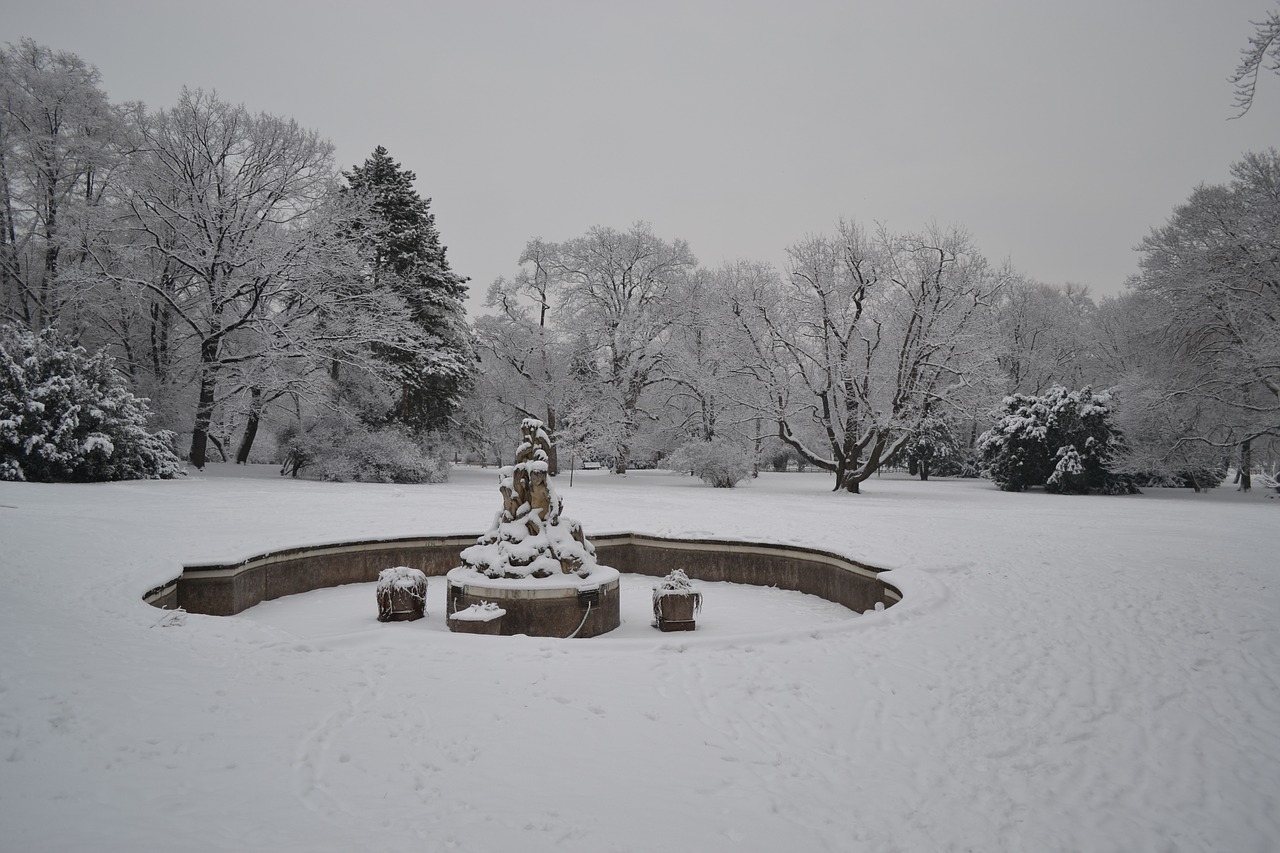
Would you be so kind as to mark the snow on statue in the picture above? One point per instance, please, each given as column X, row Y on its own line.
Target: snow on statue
column 527, row 539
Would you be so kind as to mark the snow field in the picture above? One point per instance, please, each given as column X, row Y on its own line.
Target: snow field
column 1064, row 673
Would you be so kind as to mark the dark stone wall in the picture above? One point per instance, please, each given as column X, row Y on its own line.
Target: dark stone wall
column 226, row 589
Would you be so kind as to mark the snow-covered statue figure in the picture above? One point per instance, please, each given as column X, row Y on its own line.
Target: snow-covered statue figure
column 529, row 539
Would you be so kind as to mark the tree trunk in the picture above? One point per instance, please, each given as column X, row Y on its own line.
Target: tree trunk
column 620, row 464
column 1246, row 465
column 204, row 406
column 250, row 427
column 924, row 470
column 553, row 462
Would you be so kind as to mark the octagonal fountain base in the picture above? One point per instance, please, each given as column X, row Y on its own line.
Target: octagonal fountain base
column 567, row 606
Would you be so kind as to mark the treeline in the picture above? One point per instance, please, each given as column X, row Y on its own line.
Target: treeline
column 245, row 285
column 874, row 348
column 235, row 274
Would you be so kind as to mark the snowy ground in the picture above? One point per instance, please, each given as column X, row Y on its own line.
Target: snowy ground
column 1064, row 674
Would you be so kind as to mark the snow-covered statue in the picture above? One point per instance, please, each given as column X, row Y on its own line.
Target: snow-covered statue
column 529, row 539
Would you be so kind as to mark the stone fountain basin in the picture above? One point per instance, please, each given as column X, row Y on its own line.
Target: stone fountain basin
column 224, row 589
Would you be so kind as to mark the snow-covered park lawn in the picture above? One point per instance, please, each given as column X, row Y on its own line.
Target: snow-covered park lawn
column 1064, row 674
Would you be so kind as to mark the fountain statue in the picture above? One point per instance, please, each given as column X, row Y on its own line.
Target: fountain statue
column 534, row 563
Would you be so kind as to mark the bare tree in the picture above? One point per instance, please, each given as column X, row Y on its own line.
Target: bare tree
column 58, row 135
column 1213, row 272
column 222, row 224
column 1264, row 45
column 863, row 338
column 616, row 297
column 1042, row 330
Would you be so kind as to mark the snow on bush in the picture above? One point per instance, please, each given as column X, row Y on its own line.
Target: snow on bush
column 1062, row 440
column 342, row 449
column 66, row 416
column 934, row 450
column 716, row 462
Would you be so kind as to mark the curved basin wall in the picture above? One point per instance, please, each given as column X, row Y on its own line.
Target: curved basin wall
column 224, row 589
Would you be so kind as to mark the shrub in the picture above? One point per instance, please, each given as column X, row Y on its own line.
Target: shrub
column 66, row 416
column 1062, row 440
column 716, row 462
column 344, row 449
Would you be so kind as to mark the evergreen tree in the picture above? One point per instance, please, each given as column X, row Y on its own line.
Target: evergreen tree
column 1063, row 440
column 66, row 416
column 399, row 239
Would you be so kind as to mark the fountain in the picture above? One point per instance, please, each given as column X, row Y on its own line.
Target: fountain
column 534, row 565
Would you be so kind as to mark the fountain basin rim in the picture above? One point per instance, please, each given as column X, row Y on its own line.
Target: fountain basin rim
column 552, row 587
column 228, row 587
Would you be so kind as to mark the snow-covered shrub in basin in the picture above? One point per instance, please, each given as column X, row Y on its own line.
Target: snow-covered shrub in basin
column 1063, row 440
column 676, row 602
column 402, row 594
column 718, row 463
column 66, row 416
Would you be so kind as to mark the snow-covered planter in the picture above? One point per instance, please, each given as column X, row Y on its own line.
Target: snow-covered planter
column 402, row 594
column 676, row 603
column 481, row 618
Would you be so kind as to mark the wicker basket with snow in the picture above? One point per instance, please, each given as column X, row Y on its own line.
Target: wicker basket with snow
column 482, row 618
column 402, row 594
column 676, row 603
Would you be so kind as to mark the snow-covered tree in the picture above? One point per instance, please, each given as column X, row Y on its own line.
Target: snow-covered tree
column 933, row 449
column 401, row 248
column 1063, row 440
column 1212, row 274
column 1263, row 45
column 604, row 305
column 704, row 384
column 531, row 364
column 1042, row 330
column 58, row 134
column 67, row 416
column 863, row 338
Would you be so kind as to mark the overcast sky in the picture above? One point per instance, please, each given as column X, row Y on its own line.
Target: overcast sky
column 1057, row 133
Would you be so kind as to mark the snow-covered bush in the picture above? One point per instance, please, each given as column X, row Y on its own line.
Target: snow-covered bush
column 934, row 450
column 716, row 462
column 66, row 416
column 344, row 449
column 1063, row 440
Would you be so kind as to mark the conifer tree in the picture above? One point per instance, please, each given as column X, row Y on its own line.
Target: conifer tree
column 399, row 239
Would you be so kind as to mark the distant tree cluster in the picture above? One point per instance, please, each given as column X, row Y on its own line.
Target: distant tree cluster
column 236, row 276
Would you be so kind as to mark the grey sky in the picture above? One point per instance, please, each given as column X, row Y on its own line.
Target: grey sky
column 1057, row 133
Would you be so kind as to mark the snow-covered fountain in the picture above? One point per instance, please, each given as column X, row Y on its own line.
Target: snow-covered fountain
column 533, row 565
